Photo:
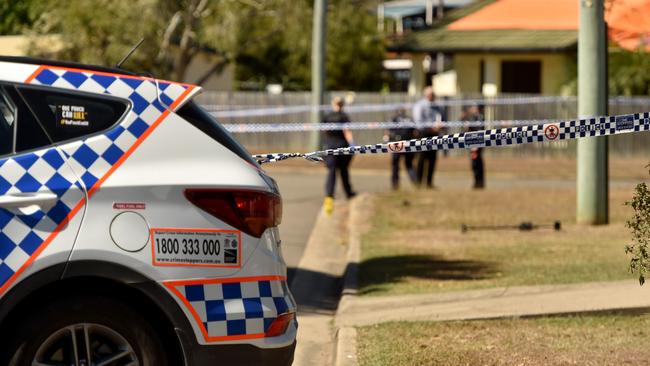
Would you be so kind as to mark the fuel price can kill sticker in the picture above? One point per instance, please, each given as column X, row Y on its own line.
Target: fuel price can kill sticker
column 196, row 247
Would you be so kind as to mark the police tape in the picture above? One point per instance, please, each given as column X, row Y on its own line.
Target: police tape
column 259, row 111
column 306, row 126
column 546, row 132
column 239, row 111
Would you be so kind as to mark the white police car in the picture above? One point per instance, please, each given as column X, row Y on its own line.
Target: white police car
column 133, row 229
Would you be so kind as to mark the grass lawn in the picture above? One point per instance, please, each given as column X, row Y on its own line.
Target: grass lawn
column 415, row 245
column 608, row 339
column 497, row 165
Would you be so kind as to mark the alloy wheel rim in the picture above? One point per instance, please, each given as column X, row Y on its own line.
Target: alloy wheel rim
column 85, row 344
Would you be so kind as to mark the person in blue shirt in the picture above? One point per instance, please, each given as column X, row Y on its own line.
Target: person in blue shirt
column 399, row 133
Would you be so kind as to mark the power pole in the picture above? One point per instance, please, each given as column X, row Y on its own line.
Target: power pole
column 592, row 175
column 318, row 65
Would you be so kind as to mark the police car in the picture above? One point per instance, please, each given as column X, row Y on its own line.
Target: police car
column 133, row 229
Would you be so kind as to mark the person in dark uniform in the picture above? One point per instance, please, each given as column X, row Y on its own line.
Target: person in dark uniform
column 473, row 114
column 425, row 112
column 332, row 140
column 399, row 133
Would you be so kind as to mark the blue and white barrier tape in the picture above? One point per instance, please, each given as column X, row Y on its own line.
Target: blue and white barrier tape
column 306, row 126
column 258, row 111
column 547, row 132
column 239, row 111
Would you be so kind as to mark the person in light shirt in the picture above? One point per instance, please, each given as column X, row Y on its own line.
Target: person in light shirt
column 424, row 111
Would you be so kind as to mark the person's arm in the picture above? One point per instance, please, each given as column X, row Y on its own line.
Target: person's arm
column 348, row 136
column 438, row 121
column 417, row 113
column 347, row 133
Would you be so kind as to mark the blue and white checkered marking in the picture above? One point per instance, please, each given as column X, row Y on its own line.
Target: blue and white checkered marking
column 238, row 308
column 22, row 233
column 91, row 158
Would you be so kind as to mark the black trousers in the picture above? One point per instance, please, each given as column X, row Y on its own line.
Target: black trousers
column 408, row 162
column 427, row 158
column 477, row 168
column 340, row 163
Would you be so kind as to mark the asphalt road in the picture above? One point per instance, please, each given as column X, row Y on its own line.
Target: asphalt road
column 302, row 197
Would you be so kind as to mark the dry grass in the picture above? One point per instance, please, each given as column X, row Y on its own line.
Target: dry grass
column 503, row 165
column 608, row 339
column 415, row 244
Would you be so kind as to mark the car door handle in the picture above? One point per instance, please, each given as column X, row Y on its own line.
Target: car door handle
column 20, row 200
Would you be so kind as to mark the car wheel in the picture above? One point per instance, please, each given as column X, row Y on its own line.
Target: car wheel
column 83, row 331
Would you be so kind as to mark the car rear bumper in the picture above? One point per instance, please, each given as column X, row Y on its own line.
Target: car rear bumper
column 235, row 354
column 196, row 354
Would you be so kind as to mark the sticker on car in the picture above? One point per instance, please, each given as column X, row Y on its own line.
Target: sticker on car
column 72, row 115
column 196, row 247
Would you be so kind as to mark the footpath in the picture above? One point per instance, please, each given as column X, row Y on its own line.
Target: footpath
column 524, row 301
column 495, row 303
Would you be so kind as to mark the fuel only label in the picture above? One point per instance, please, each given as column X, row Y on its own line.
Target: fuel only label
column 196, row 247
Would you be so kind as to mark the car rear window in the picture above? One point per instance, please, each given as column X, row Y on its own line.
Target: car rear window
column 202, row 120
column 67, row 115
column 34, row 117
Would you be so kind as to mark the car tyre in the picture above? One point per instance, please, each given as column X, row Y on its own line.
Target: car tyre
column 100, row 326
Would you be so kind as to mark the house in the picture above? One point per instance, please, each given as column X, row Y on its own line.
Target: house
column 495, row 46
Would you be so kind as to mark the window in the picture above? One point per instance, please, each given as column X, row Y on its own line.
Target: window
column 198, row 117
column 7, row 119
column 521, row 77
column 66, row 116
column 29, row 133
column 35, row 117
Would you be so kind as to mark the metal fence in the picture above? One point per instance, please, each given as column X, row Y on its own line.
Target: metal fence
column 515, row 107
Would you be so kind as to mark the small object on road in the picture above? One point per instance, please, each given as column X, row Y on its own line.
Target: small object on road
column 406, row 203
column 523, row 226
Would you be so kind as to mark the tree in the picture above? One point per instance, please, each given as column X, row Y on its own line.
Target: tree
column 175, row 31
column 267, row 40
column 639, row 225
column 102, row 31
column 628, row 73
column 15, row 16
column 354, row 48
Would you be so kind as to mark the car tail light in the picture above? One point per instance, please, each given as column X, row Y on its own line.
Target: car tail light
column 249, row 211
column 280, row 324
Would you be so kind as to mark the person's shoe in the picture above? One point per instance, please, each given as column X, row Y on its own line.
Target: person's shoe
column 478, row 186
column 328, row 205
column 352, row 195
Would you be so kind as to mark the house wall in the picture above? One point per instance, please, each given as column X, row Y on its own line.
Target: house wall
column 555, row 70
column 219, row 82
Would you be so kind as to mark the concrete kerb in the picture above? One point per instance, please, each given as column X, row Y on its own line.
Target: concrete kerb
column 346, row 337
column 316, row 287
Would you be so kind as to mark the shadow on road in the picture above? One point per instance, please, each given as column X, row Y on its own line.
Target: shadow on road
column 314, row 291
column 383, row 270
